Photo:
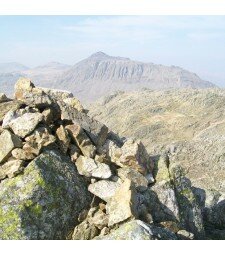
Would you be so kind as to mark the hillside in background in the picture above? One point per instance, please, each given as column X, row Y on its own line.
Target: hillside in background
column 42, row 75
column 189, row 123
column 101, row 74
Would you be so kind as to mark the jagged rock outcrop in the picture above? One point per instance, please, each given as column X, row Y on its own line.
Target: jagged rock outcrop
column 64, row 175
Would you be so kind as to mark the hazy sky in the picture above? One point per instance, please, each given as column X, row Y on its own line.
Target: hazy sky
column 196, row 43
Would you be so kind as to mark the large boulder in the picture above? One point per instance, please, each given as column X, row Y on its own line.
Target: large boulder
column 44, row 201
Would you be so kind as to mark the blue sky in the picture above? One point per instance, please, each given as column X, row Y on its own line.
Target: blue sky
column 196, row 43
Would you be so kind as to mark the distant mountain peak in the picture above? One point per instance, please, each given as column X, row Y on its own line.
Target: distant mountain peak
column 99, row 54
column 102, row 56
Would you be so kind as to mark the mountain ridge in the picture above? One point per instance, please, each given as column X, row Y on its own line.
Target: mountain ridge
column 101, row 74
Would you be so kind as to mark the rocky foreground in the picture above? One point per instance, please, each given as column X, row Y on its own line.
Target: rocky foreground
column 64, row 175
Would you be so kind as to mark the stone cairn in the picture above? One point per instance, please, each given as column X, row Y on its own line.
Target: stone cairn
column 64, row 175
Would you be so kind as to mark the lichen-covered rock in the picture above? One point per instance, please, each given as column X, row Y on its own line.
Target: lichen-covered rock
column 138, row 230
column 161, row 198
column 11, row 168
column 22, row 123
column 91, row 168
column 8, row 142
column 82, row 140
column 44, row 201
column 124, row 203
column 104, row 189
column 189, row 210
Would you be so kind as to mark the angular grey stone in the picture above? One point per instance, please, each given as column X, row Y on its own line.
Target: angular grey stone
column 11, row 168
column 185, row 235
column 99, row 219
column 138, row 230
column 132, row 154
column 104, row 189
column 23, row 154
column 39, row 139
column 96, row 130
column 82, row 140
column 8, row 106
column 63, row 138
column 137, row 178
column 85, row 231
column 22, row 124
column 91, row 168
column 124, row 203
column 26, row 92
column 8, row 142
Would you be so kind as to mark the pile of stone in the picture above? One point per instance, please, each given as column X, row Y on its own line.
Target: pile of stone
column 64, row 175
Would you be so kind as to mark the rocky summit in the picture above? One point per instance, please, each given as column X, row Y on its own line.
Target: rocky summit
column 65, row 175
